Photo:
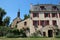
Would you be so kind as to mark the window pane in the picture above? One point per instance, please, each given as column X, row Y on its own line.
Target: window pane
column 54, row 15
column 35, row 23
column 44, row 22
column 35, row 14
column 47, row 14
column 54, row 22
column 47, row 22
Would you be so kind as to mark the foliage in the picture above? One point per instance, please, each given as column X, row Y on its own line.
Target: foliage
column 2, row 14
column 26, row 16
column 11, row 35
column 58, row 34
column 6, row 21
column 22, row 33
column 16, row 32
column 3, row 30
column 36, row 34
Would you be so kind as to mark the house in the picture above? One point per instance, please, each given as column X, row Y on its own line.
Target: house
column 43, row 17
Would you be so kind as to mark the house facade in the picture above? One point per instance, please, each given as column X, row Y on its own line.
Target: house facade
column 43, row 17
column 46, row 17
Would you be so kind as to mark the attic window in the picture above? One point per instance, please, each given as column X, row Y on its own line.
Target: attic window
column 54, row 7
column 42, row 7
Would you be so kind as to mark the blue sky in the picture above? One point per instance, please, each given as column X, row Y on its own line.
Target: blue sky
column 12, row 6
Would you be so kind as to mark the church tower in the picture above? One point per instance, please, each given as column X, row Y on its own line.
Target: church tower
column 16, row 20
column 18, row 14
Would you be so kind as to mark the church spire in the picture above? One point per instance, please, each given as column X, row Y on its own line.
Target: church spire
column 18, row 14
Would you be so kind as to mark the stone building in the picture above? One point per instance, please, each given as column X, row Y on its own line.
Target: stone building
column 43, row 17
column 16, row 20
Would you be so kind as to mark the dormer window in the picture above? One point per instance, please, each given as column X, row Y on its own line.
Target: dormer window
column 54, row 7
column 42, row 7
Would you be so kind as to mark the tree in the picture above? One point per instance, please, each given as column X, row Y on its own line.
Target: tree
column 6, row 21
column 4, row 30
column 2, row 14
column 26, row 16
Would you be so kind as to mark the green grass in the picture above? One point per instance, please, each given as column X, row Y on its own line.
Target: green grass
column 29, row 38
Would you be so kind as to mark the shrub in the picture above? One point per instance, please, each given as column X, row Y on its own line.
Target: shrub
column 58, row 36
column 11, row 35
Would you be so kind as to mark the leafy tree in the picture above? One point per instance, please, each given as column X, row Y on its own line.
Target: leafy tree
column 26, row 16
column 2, row 14
column 6, row 21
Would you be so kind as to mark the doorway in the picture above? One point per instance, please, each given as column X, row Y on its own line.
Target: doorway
column 50, row 33
column 44, row 34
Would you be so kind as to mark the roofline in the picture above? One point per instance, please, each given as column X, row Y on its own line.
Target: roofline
column 45, row 4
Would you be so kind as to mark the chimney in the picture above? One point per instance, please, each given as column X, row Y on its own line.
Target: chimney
column 31, row 5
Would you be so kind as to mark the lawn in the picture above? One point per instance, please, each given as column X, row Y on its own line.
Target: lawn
column 29, row 38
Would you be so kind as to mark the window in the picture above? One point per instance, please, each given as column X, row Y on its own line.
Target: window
column 54, row 15
column 44, row 22
column 35, row 22
column 25, row 23
column 42, row 7
column 54, row 22
column 35, row 14
column 47, row 22
column 47, row 14
column 54, row 7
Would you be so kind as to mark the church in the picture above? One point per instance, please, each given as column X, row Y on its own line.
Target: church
column 43, row 17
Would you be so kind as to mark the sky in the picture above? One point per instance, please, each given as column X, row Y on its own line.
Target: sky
column 12, row 6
